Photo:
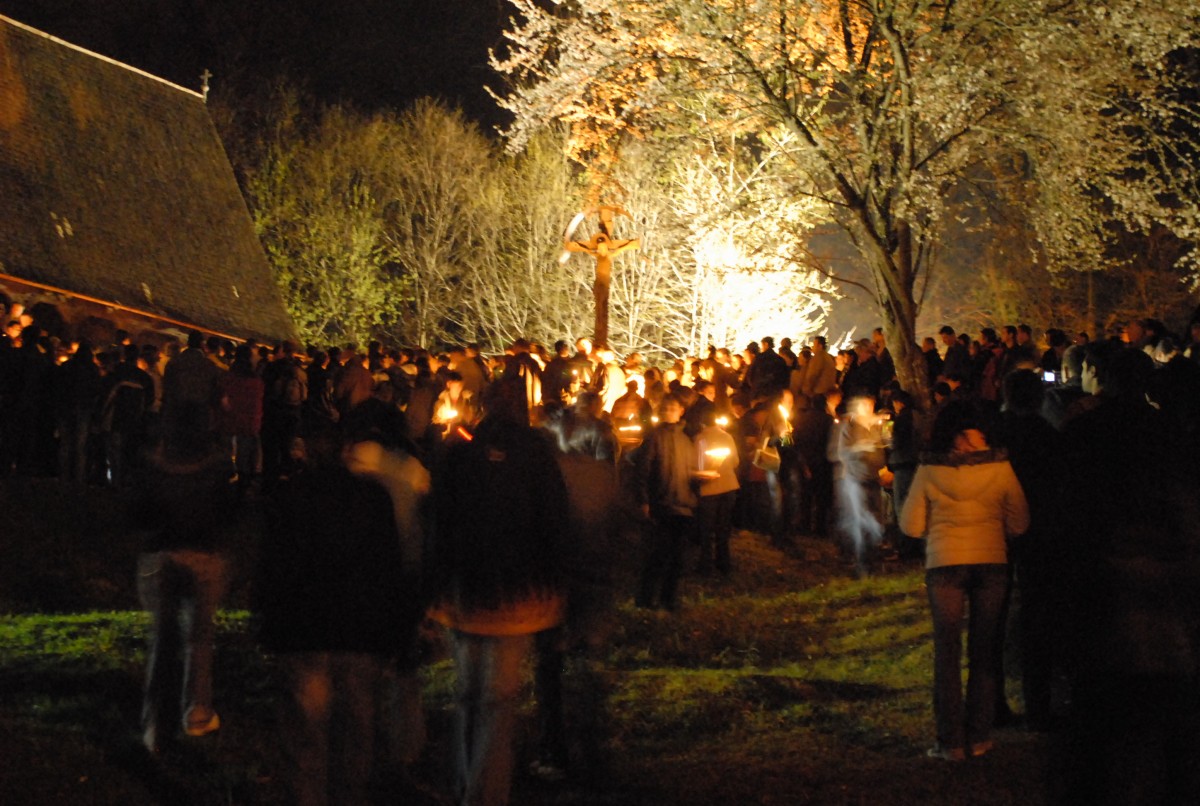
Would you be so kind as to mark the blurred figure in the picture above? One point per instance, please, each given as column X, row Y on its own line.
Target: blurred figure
column 1132, row 522
column 496, row 565
column 716, row 462
column 78, row 390
column 339, row 598
column 184, row 512
column 664, row 493
column 239, row 418
column 858, row 446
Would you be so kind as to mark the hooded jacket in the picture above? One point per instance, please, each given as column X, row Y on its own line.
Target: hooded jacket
column 965, row 505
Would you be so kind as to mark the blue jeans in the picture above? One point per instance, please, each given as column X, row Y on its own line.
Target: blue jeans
column 181, row 589
column 489, row 684
column 950, row 587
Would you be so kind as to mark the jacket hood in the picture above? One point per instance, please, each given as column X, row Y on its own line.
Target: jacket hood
column 961, row 476
column 963, row 459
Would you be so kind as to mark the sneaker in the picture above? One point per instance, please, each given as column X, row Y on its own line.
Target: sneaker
column 201, row 721
column 982, row 748
column 946, row 753
column 547, row 771
column 150, row 740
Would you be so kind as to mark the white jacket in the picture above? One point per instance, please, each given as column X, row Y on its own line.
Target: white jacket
column 964, row 505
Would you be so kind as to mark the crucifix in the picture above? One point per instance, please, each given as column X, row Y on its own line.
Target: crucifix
column 602, row 246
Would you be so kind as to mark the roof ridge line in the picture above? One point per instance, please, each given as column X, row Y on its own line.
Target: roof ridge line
column 99, row 56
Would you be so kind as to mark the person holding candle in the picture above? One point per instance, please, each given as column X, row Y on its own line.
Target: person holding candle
column 716, row 474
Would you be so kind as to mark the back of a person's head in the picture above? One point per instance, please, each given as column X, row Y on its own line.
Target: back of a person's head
column 505, row 400
column 1073, row 360
column 955, row 418
column 373, row 420
column 195, row 340
column 1023, row 392
column 1126, row 374
column 585, row 403
column 1100, row 354
column 131, row 353
column 1175, row 389
column 672, row 398
column 242, row 358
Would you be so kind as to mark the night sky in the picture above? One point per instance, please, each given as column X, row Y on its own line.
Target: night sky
column 371, row 53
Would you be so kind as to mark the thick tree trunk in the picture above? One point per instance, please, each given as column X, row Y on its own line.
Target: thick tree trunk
column 895, row 275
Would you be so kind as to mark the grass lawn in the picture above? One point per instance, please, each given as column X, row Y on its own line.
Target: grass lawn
column 794, row 682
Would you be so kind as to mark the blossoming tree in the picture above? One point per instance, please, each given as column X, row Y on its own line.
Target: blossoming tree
column 882, row 107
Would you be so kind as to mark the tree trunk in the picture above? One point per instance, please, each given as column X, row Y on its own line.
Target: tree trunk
column 895, row 273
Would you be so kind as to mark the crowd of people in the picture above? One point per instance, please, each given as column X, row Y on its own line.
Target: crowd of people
column 493, row 493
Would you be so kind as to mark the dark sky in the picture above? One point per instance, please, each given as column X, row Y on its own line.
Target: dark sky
column 372, row 53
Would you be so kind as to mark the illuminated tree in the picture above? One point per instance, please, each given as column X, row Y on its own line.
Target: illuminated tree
column 320, row 221
column 883, row 107
column 517, row 287
column 438, row 212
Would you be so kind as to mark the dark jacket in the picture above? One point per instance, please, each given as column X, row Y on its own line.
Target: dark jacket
column 500, row 522
column 330, row 575
column 664, row 465
column 184, row 502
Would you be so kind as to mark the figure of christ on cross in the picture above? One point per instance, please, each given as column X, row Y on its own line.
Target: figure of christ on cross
column 603, row 247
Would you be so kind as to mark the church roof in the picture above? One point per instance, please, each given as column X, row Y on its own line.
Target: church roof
column 115, row 185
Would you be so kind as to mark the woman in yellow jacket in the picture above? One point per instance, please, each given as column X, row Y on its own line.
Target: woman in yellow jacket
column 965, row 502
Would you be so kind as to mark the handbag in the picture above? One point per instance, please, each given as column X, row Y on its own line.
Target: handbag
column 767, row 458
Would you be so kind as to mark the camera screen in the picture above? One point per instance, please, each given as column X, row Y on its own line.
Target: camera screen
column 1048, row 376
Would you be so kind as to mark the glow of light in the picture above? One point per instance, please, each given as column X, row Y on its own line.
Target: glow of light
column 654, row 418
column 722, row 421
column 630, row 428
column 783, row 411
column 465, row 434
column 720, row 454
